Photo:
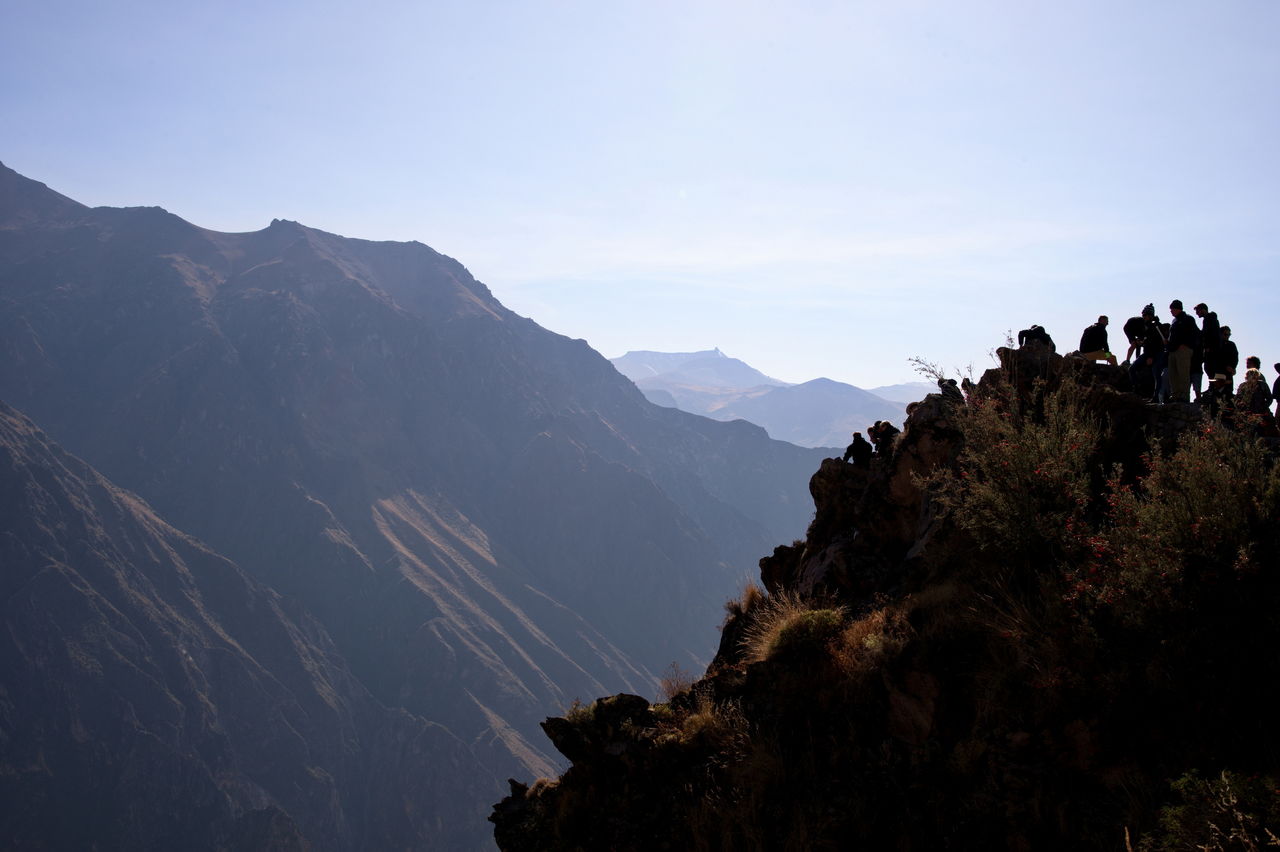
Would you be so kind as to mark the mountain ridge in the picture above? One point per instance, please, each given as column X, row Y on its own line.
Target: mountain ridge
column 453, row 492
column 820, row 412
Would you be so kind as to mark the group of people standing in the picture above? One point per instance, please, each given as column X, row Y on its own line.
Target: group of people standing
column 1168, row 362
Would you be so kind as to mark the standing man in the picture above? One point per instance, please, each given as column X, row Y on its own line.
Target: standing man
column 1228, row 353
column 1275, row 390
column 1210, row 339
column 1183, row 336
column 1153, row 354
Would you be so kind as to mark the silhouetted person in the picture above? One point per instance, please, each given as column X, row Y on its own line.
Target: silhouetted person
column 885, row 435
column 1229, row 354
column 1254, row 398
column 1183, row 336
column 1153, row 356
column 1135, row 331
column 1253, row 362
column 1039, row 335
column 859, row 452
column 1093, row 343
column 1275, row 390
column 1219, row 400
column 1210, row 343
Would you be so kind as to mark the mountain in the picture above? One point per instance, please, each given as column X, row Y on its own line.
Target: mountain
column 817, row 413
column 709, row 368
column 1041, row 622
column 457, row 497
column 904, row 392
column 149, row 682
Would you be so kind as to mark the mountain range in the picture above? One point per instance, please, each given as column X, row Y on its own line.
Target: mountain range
column 816, row 413
column 304, row 535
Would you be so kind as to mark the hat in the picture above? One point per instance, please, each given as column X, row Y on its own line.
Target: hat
column 1219, row 377
column 1149, row 310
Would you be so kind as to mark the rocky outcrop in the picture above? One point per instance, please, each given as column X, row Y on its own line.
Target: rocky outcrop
column 923, row 675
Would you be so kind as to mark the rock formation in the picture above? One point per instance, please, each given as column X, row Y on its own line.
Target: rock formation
column 1042, row 623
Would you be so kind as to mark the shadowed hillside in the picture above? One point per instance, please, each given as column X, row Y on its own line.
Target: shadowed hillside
column 486, row 519
column 1046, row 622
column 158, row 698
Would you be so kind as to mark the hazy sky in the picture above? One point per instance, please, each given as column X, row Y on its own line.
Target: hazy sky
column 818, row 188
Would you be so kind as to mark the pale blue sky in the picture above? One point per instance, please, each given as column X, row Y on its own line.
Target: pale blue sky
column 818, row 188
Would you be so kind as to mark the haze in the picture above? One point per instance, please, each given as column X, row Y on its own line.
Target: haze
column 815, row 188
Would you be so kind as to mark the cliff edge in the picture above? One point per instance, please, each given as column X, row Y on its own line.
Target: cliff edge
column 1045, row 620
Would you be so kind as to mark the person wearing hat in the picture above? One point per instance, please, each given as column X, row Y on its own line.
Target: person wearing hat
column 1183, row 337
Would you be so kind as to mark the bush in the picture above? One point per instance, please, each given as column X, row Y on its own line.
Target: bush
column 1231, row 812
column 785, row 622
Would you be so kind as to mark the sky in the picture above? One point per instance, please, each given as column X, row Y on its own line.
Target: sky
column 817, row 188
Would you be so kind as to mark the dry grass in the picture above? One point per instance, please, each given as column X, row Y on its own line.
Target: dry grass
column 752, row 596
column 864, row 643
column 787, row 621
column 674, row 681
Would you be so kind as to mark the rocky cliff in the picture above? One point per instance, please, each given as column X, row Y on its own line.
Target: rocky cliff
column 1043, row 622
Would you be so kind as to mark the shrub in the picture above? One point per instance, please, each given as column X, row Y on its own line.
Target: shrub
column 785, row 622
column 1231, row 812
column 751, row 597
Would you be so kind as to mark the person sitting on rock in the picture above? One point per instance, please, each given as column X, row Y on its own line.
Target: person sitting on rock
column 885, row 434
column 859, row 452
column 1219, row 399
column 1039, row 335
column 950, row 390
column 1253, row 397
column 1093, row 343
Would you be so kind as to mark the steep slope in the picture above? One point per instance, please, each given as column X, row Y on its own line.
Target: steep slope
column 155, row 697
column 1037, row 625
column 459, row 496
